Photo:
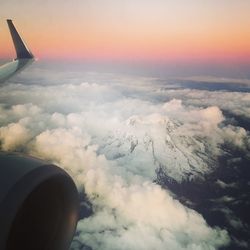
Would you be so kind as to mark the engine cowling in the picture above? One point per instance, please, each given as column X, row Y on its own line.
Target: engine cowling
column 39, row 204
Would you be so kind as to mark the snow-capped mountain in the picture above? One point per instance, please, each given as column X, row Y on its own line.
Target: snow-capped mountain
column 145, row 144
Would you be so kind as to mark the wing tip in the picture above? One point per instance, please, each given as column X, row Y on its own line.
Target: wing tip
column 22, row 51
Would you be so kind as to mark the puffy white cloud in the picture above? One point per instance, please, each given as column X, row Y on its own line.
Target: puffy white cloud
column 237, row 103
column 13, row 136
column 236, row 136
column 146, row 217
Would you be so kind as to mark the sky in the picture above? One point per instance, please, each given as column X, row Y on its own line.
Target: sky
column 190, row 31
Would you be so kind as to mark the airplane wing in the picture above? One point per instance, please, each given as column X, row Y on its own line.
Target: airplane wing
column 23, row 55
column 22, row 50
column 38, row 201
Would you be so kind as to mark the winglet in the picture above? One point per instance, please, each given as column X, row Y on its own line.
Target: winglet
column 22, row 50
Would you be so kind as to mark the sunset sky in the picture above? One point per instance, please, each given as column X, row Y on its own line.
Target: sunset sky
column 143, row 30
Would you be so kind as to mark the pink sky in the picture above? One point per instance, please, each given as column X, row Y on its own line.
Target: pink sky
column 154, row 30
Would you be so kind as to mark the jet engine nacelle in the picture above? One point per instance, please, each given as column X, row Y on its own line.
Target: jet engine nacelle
column 38, row 204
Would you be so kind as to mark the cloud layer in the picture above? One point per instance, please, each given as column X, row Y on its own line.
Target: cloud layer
column 111, row 134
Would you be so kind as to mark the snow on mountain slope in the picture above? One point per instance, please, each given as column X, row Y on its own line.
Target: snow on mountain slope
column 147, row 143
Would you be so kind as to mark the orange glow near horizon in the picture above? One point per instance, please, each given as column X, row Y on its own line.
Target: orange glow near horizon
column 136, row 30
